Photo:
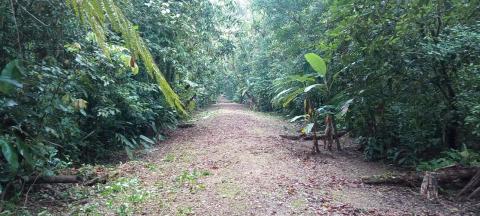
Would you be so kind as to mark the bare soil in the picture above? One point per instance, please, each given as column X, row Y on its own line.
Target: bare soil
column 233, row 162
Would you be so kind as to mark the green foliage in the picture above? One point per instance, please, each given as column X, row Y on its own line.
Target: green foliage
column 96, row 12
column 190, row 179
column 402, row 75
column 82, row 81
column 464, row 157
column 169, row 158
column 10, row 154
column 184, row 211
column 10, row 76
column 317, row 63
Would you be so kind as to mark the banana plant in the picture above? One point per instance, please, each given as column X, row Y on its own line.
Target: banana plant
column 306, row 86
column 333, row 103
column 303, row 86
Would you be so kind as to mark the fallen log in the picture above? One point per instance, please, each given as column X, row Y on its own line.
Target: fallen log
column 414, row 179
column 52, row 179
column 472, row 184
column 291, row 137
column 97, row 180
column 429, row 188
column 68, row 179
column 476, row 192
column 100, row 179
column 310, row 137
column 186, row 125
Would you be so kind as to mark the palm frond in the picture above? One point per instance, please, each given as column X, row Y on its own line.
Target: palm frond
column 96, row 13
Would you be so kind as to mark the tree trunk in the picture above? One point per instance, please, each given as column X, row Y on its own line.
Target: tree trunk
column 335, row 136
column 315, row 139
column 310, row 137
column 453, row 119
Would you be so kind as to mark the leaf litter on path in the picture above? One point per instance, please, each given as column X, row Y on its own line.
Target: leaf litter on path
column 234, row 163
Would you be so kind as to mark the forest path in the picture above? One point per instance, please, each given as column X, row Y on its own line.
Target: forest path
column 234, row 163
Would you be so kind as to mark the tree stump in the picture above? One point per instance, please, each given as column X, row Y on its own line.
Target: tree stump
column 429, row 188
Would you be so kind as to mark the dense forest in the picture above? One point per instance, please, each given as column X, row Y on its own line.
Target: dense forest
column 84, row 82
column 407, row 71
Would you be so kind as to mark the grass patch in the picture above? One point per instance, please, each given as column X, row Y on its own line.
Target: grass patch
column 122, row 196
column 151, row 166
column 184, row 211
column 229, row 190
column 190, row 179
column 169, row 158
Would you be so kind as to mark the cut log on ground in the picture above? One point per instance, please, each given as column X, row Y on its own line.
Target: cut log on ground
column 429, row 188
column 97, row 180
column 310, row 137
column 291, row 137
column 52, row 179
column 100, row 179
column 414, row 179
column 68, row 179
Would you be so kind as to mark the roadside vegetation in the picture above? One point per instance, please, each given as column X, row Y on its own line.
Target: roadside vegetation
column 87, row 84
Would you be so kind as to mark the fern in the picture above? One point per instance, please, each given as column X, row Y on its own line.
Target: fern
column 96, row 13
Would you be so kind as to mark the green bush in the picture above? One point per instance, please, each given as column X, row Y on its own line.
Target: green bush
column 465, row 157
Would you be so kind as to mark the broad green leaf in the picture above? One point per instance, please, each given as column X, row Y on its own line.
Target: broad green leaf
column 25, row 152
column 346, row 106
column 290, row 97
column 337, row 99
column 9, row 77
column 244, row 92
column 297, row 118
column 11, row 156
column 12, row 70
column 303, row 78
column 308, row 88
column 317, row 63
column 293, row 79
column 307, row 129
column 82, row 111
column 148, row 140
column 327, row 109
column 125, row 141
column 279, row 95
column 10, row 81
column 129, row 152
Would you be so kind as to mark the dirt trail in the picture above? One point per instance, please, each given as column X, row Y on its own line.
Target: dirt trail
column 234, row 163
